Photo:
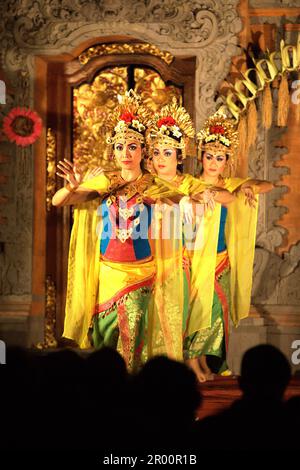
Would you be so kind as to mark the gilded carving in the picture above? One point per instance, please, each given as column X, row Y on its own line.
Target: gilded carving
column 93, row 102
column 50, row 316
column 51, row 168
column 154, row 92
column 125, row 48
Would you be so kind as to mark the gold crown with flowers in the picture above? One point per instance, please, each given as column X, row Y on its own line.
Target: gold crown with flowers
column 219, row 133
column 130, row 120
column 172, row 126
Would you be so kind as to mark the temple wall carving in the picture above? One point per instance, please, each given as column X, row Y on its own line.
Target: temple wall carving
column 207, row 30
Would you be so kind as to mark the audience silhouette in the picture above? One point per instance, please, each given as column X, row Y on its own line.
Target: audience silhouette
column 68, row 400
column 167, row 397
column 257, row 420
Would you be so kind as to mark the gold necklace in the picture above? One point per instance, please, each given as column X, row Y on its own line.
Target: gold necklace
column 133, row 181
column 220, row 181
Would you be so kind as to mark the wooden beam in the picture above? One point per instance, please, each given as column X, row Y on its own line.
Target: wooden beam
column 274, row 12
column 292, row 27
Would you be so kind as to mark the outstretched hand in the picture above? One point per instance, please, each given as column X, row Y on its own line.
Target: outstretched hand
column 249, row 196
column 70, row 172
column 94, row 172
column 208, row 199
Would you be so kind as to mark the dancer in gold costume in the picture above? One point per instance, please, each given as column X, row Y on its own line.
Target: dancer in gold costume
column 168, row 140
column 120, row 293
column 229, row 290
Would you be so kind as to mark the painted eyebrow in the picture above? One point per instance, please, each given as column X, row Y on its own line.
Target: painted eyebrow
column 216, row 156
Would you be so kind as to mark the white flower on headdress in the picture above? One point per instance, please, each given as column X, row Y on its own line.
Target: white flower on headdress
column 138, row 125
column 176, row 131
column 163, row 129
column 220, row 138
column 225, row 141
column 211, row 138
column 120, row 126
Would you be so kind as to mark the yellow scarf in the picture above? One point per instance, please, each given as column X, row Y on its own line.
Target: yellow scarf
column 165, row 314
column 240, row 234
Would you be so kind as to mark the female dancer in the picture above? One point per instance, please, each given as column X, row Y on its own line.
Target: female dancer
column 110, row 297
column 233, row 250
column 168, row 140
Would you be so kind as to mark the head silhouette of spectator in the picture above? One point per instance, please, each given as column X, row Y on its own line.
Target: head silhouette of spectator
column 265, row 373
column 170, row 387
column 106, row 367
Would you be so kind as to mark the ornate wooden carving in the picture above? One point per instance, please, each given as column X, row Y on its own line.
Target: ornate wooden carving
column 51, row 167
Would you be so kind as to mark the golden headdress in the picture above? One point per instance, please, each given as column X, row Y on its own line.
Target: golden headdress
column 172, row 126
column 219, row 132
column 129, row 120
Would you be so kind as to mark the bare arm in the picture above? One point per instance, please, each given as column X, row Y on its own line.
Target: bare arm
column 259, row 186
column 252, row 187
column 223, row 196
column 66, row 197
column 214, row 194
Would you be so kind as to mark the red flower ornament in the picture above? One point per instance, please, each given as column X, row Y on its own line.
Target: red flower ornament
column 22, row 126
column 127, row 117
column 216, row 130
column 166, row 121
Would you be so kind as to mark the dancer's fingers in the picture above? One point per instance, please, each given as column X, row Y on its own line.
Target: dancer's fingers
column 64, row 165
column 61, row 175
column 67, row 162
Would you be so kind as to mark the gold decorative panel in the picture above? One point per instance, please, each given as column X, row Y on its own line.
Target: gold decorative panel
column 92, row 105
column 51, row 167
column 120, row 48
column 50, row 317
column 93, row 102
column 153, row 90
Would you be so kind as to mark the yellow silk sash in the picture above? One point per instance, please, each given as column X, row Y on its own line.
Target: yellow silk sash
column 86, row 269
column 240, row 234
column 83, row 274
column 116, row 278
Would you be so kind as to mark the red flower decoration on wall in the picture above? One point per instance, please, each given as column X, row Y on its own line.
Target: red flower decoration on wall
column 127, row 117
column 216, row 130
column 166, row 121
column 22, row 126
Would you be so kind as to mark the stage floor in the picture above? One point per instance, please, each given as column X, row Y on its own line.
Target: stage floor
column 220, row 393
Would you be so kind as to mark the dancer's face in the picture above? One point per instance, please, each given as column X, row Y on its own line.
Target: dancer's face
column 128, row 154
column 214, row 162
column 165, row 161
